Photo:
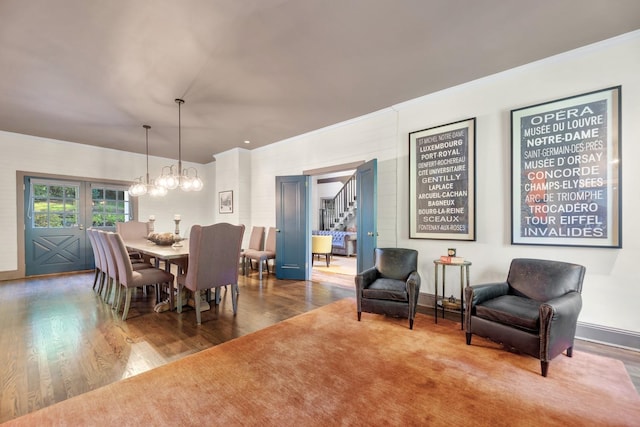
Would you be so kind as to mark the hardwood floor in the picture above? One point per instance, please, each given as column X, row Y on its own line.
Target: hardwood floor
column 60, row 340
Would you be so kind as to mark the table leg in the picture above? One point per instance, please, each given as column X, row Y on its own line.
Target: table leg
column 435, row 303
column 462, row 270
column 444, row 290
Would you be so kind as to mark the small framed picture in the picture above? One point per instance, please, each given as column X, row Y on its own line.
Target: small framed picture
column 225, row 202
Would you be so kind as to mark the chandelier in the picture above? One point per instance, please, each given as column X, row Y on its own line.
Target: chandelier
column 142, row 186
column 174, row 176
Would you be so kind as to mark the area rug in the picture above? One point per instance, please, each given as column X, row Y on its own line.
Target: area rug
column 326, row 368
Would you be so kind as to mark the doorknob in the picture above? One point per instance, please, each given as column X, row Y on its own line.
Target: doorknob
column 370, row 233
column 277, row 230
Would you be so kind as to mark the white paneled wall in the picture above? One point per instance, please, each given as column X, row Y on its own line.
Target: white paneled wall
column 47, row 156
column 366, row 138
column 612, row 285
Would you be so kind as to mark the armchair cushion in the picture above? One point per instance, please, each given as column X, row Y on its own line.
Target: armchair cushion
column 387, row 289
column 511, row 310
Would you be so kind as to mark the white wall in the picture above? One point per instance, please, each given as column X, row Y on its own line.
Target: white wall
column 233, row 173
column 47, row 156
column 612, row 285
column 363, row 139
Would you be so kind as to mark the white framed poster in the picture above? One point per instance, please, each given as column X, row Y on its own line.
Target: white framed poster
column 566, row 171
column 442, row 182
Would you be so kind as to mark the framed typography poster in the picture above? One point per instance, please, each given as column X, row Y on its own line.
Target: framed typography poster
column 442, row 182
column 566, row 171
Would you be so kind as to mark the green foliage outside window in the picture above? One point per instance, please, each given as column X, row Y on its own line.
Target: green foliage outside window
column 54, row 206
column 108, row 207
column 58, row 206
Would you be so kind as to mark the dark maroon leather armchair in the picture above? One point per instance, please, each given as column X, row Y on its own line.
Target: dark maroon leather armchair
column 391, row 286
column 534, row 312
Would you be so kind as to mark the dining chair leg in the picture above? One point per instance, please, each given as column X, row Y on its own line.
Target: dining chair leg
column 101, row 286
column 234, row 297
column 95, row 278
column 196, row 303
column 116, row 297
column 127, row 303
column 109, row 287
column 171, row 299
column 103, row 289
column 179, row 303
column 119, row 298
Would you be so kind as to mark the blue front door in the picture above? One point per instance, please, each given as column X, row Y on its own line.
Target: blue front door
column 293, row 223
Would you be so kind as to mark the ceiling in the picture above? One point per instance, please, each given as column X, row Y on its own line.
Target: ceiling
column 93, row 72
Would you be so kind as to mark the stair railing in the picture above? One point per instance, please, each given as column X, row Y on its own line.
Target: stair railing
column 333, row 211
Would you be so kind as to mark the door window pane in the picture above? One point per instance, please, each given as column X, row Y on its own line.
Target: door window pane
column 54, row 205
column 109, row 205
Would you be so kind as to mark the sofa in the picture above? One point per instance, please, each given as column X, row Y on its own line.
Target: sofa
column 342, row 243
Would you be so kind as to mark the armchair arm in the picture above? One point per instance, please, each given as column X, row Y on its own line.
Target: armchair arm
column 413, row 292
column 558, row 319
column 413, row 280
column 480, row 293
column 365, row 278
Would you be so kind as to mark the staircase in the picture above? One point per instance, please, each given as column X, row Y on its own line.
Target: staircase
column 336, row 212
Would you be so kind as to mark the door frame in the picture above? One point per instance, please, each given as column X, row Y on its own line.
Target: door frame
column 20, row 272
column 348, row 167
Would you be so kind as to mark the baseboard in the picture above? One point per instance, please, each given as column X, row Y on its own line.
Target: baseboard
column 585, row 331
column 11, row 275
column 610, row 336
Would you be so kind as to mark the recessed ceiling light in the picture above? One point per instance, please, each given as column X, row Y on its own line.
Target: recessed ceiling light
column 247, row 142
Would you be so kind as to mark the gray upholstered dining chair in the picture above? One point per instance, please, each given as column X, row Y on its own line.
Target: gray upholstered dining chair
column 391, row 286
column 110, row 267
column 256, row 243
column 534, row 311
column 128, row 278
column 133, row 230
column 99, row 261
column 214, row 254
column 263, row 256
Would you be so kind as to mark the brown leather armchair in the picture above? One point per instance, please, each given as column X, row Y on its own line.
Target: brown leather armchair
column 534, row 312
column 391, row 286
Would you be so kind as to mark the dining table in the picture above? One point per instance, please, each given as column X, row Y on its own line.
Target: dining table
column 177, row 254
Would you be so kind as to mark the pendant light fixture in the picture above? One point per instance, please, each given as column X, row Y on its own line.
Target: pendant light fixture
column 142, row 186
column 174, row 176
